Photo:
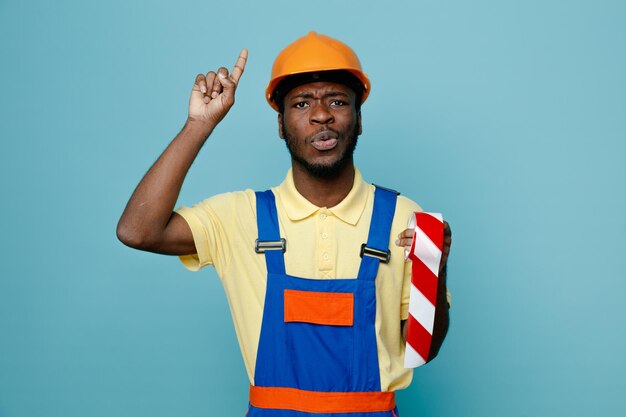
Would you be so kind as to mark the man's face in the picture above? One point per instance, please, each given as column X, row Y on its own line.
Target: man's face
column 320, row 126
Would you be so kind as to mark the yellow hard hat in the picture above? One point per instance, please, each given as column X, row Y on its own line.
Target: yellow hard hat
column 315, row 53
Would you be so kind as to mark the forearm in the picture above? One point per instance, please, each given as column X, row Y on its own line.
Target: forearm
column 442, row 318
column 150, row 207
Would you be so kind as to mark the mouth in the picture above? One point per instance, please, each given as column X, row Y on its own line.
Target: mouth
column 324, row 140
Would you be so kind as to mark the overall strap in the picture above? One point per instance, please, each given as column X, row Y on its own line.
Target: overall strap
column 269, row 241
column 376, row 249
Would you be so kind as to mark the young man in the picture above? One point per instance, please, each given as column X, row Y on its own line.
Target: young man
column 313, row 269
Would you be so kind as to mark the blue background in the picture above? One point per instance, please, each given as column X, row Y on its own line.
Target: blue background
column 508, row 116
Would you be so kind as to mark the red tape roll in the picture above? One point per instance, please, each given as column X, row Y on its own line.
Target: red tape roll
column 425, row 255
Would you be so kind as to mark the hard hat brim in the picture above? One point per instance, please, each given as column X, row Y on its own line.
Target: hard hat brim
column 273, row 84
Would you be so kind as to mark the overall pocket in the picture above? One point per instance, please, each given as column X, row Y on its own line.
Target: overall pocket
column 329, row 308
column 320, row 338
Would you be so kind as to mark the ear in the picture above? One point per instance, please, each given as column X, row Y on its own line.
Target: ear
column 358, row 121
column 281, row 132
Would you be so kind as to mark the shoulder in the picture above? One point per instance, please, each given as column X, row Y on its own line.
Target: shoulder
column 403, row 204
column 221, row 209
column 406, row 205
column 226, row 202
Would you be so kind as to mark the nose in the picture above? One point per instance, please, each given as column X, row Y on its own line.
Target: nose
column 321, row 114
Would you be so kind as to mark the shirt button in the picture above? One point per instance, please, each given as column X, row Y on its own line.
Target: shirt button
column 325, row 257
column 323, row 216
column 324, row 235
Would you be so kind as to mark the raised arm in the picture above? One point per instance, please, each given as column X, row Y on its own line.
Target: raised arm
column 148, row 221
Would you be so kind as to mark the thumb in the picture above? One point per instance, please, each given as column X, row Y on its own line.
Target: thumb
column 228, row 84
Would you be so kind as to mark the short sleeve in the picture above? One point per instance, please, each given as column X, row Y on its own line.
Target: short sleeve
column 216, row 229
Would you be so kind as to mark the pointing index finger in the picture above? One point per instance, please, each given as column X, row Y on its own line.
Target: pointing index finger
column 240, row 65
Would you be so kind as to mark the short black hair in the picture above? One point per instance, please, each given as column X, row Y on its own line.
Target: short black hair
column 337, row 76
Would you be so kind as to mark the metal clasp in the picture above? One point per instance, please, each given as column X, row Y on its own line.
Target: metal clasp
column 260, row 246
column 383, row 255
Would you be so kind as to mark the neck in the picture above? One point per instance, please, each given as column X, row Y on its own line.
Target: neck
column 323, row 192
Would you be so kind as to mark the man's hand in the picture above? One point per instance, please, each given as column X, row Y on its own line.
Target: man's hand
column 406, row 238
column 148, row 222
column 213, row 94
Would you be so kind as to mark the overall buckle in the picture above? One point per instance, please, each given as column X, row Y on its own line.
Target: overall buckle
column 260, row 246
column 383, row 255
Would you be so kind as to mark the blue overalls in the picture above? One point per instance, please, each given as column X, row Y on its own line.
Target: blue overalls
column 317, row 352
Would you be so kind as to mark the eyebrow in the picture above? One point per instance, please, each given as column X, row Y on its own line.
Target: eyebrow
column 328, row 94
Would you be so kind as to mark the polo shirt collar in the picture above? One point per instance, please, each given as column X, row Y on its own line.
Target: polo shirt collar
column 348, row 210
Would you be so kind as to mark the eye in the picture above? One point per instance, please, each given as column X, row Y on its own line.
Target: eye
column 338, row 103
column 300, row 104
